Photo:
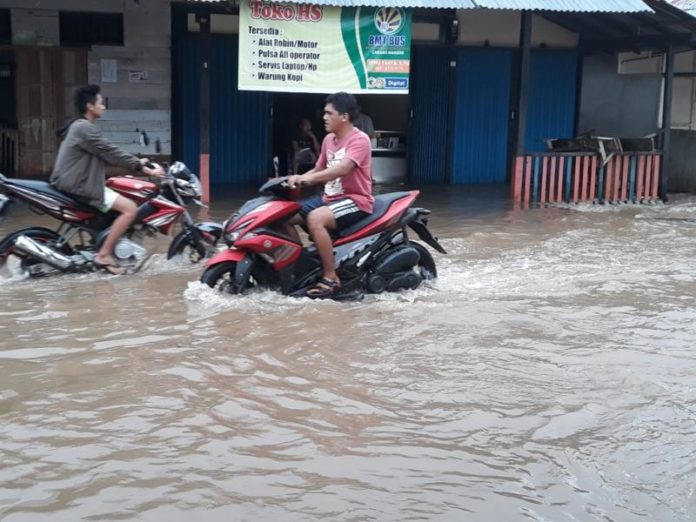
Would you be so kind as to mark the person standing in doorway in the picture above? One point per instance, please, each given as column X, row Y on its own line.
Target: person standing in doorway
column 364, row 123
column 80, row 169
column 305, row 148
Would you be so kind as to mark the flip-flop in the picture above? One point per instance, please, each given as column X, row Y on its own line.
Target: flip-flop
column 140, row 264
column 112, row 268
column 323, row 289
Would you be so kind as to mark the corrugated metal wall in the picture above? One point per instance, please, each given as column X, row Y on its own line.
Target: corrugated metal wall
column 240, row 145
column 551, row 108
column 240, row 127
column 482, row 111
column 459, row 137
column 430, row 137
column 185, row 95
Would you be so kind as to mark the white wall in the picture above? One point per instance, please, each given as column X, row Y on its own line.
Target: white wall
column 502, row 29
column 140, row 98
column 684, row 93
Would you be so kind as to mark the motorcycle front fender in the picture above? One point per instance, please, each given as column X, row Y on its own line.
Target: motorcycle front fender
column 198, row 235
column 211, row 228
column 244, row 261
column 231, row 254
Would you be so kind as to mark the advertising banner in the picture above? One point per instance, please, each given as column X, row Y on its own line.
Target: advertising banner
column 323, row 49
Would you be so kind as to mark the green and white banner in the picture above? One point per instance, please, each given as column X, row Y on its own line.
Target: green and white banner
column 313, row 48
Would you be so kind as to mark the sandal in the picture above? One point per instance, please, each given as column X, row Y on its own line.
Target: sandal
column 323, row 289
column 112, row 268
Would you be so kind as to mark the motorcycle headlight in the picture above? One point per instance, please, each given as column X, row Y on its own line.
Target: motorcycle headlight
column 196, row 186
column 232, row 237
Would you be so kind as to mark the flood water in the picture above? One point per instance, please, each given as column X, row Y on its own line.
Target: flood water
column 548, row 374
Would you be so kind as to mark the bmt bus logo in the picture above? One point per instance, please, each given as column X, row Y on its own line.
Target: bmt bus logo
column 389, row 20
column 376, row 83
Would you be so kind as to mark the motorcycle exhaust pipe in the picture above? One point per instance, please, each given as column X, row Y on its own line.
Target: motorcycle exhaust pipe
column 26, row 245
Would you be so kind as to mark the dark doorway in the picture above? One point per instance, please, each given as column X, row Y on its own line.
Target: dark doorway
column 288, row 110
column 8, row 112
column 9, row 139
column 45, row 79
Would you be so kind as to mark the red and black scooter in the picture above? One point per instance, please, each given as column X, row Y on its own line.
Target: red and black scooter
column 72, row 246
column 374, row 255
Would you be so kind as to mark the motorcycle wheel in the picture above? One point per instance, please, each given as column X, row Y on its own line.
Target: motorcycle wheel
column 15, row 263
column 183, row 245
column 221, row 277
column 426, row 263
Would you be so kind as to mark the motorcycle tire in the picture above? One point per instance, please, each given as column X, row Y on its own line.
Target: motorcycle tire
column 426, row 263
column 39, row 234
column 182, row 243
column 221, row 277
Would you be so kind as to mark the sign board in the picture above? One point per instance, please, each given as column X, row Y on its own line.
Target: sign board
column 323, row 49
column 109, row 70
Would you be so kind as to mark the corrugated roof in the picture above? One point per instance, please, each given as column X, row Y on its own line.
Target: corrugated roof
column 574, row 6
column 571, row 6
column 685, row 5
column 436, row 4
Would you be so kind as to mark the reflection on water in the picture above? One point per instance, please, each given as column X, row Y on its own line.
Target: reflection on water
column 547, row 375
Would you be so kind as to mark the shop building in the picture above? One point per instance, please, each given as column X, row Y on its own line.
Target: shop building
column 490, row 82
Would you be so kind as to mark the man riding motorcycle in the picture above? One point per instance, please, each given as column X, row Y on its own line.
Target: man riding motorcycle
column 344, row 167
column 80, row 167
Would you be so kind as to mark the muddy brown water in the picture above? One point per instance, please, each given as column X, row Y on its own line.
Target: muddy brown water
column 549, row 374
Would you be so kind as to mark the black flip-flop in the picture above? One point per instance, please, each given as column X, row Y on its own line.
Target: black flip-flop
column 323, row 289
column 112, row 268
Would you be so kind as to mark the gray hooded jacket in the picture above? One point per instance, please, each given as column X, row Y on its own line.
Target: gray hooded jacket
column 82, row 159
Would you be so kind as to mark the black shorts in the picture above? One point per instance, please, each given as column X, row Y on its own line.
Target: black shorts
column 345, row 211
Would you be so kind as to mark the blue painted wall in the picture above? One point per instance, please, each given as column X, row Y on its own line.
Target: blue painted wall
column 240, row 144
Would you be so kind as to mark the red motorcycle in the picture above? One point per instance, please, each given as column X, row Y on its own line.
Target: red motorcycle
column 72, row 247
column 374, row 255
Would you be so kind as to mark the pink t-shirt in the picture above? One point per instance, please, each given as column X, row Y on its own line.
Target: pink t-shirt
column 356, row 185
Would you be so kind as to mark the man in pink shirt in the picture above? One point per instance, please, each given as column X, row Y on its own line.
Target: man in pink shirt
column 344, row 167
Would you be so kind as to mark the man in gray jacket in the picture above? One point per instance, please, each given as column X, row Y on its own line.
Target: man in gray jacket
column 80, row 171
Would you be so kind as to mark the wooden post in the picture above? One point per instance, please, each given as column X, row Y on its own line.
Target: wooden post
column 667, row 119
column 561, row 175
column 552, row 180
column 594, row 174
column 517, row 177
column 544, row 175
column 640, row 184
column 204, row 108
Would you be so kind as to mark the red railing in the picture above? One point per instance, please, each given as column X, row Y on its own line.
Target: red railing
column 575, row 177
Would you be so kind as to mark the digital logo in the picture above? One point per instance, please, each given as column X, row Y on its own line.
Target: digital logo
column 396, row 83
column 389, row 20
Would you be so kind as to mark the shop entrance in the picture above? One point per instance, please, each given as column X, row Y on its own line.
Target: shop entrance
column 390, row 119
column 289, row 109
column 9, row 137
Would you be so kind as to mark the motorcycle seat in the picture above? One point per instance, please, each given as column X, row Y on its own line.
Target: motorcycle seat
column 379, row 208
column 46, row 188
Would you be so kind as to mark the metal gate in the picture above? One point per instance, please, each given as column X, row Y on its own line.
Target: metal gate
column 429, row 137
column 482, row 111
column 240, row 145
column 551, row 108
